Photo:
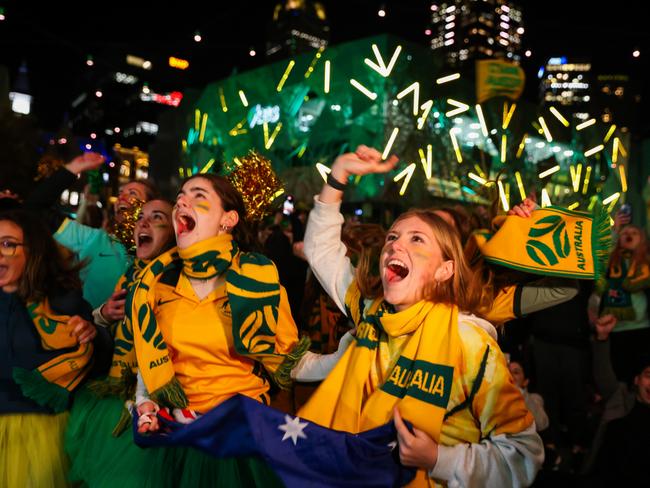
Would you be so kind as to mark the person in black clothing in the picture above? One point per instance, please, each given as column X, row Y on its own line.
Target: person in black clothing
column 624, row 451
column 48, row 345
column 292, row 270
column 561, row 355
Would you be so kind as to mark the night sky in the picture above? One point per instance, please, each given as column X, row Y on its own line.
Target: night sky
column 55, row 38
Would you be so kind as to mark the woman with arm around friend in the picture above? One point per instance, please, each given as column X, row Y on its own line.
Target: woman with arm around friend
column 420, row 355
column 48, row 347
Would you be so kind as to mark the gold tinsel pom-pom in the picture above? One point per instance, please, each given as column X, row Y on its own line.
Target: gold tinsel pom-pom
column 47, row 166
column 254, row 179
column 124, row 229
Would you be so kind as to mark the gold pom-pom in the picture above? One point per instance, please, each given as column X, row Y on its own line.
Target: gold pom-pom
column 47, row 166
column 254, row 179
column 124, row 229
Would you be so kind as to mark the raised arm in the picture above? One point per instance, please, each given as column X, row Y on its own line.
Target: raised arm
column 603, row 371
column 323, row 247
column 46, row 194
column 545, row 293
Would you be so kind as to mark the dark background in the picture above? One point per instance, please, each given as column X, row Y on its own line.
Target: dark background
column 54, row 38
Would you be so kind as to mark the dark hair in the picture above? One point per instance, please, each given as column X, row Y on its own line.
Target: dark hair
column 461, row 220
column 245, row 233
column 150, row 188
column 364, row 243
column 50, row 268
column 93, row 216
column 641, row 362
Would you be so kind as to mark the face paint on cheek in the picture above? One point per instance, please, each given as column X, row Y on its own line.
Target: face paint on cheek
column 161, row 226
column 202, row 207
column 423, row 255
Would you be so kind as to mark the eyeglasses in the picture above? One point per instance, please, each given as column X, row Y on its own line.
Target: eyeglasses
column 8, row 248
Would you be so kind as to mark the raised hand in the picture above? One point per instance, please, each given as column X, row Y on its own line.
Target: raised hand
column 621, row 219
column 365, row 160
column 604, row 326
column 85, row 162
column 524, row 209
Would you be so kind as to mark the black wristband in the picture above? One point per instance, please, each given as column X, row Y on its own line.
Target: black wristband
column 334, row 183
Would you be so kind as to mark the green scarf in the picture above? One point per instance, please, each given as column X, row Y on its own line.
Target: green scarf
column 623, row 279
column 554, row 241
column 51, row 383
column 253, row 289
column 122, row 377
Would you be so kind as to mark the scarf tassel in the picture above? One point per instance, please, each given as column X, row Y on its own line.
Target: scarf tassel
column 37, row 388
column 601, row 239
column 170, row 394
column 122, row 424
column 122, row 387
column 282, row 375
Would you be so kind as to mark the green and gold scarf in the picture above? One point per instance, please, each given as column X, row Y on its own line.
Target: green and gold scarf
column 554, row 241
column 51, row 383
column 253, row 289
column 405, row 358
column 122, row 375
column 623, row 279
column 124, row 361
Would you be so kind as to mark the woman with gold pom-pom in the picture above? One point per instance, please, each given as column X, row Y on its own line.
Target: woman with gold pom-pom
column 211, row 320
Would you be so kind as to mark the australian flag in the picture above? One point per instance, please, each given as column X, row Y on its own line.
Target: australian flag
column 300, row 452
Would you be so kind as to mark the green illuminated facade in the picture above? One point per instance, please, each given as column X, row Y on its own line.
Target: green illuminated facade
column 286, row 111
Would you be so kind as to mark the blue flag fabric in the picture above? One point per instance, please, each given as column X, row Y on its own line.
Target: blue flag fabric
column 300, row 452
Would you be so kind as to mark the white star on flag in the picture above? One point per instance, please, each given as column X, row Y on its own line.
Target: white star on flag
column 392, row 445
column 293, row 428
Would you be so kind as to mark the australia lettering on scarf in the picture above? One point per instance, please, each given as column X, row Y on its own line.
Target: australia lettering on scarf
column 577, row 237
column 367, row 336
column 126, row 364
column 419, row 379
column 158, row 362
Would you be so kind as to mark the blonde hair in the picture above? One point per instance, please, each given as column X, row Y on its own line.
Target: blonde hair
column 462, row 288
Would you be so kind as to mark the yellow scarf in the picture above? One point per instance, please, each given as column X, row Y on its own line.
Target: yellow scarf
column 622, row 279
column 51, row 383
column 553, row 241
column 124, row 362
column 406, row 358
column 253, row 288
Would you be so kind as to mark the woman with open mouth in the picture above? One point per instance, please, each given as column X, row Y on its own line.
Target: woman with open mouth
column 211, row 320
column 99, row 439
column 48, row 347
column 106, row 252
column 420, row 355
column 623, row 293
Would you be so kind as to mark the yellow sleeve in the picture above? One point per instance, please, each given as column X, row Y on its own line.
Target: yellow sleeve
column 504, row 306
column 286, row 334
column 496, row 402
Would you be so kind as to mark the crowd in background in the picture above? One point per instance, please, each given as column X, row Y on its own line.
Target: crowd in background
column 582, row 364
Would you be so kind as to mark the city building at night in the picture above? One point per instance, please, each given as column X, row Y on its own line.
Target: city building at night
column 119, row 111
column 616, row 99
column 464, row 30
column 297, row 26
column 567, row 82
